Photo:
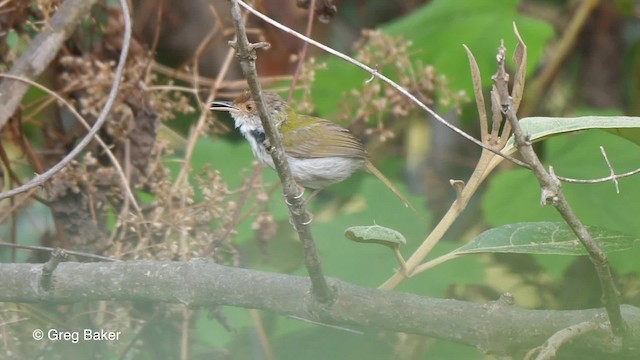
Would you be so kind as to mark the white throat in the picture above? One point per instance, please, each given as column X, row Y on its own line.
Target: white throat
column 256, row 137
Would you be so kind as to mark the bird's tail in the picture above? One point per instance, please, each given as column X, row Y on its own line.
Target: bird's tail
column 372, row 169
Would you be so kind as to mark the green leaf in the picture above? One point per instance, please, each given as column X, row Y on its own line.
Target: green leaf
column 514, row 195
column 375, row 234
column 16, row 43
column 632, row 135
column 437, row 31
column 544, row 238
column 539, row 128
column 480, row 24
column 370, row 203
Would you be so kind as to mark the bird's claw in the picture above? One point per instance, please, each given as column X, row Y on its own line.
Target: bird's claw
column 304, row 223
column 309, row 218
column 299, row 195
column 295, row 197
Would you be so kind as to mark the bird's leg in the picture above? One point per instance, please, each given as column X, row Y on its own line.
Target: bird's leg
column 309, row 215
column 296, row 196
column 313, row 194
column 306, row 202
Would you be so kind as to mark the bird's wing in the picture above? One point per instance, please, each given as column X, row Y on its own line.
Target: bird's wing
column 317, row 138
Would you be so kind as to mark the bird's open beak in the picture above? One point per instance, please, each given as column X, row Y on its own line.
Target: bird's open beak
column 222, row 106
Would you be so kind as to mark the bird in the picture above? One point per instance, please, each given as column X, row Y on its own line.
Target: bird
column 319, row 152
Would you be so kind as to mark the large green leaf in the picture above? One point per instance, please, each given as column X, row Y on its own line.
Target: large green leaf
column 544, row 238
column 440, row 28
column 539, row 128
column 375, row 234
column 437, row 32
column 370, row 203
column 514, row 196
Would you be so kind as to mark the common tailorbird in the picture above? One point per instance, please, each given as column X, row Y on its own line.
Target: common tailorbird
column 319, row 152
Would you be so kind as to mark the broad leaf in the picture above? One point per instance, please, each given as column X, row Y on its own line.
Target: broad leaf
column 544, row 238
column 538, row 128
column 444, row 26
column 375, row 234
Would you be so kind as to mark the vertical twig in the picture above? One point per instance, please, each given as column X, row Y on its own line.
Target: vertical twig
column 611, row 171
column 184, row 337
column 300, row 217
column 57, row 256
column 198, row 129
column 303, row 52
column 382, row 77
column 552, row 194
column 559, row 54
column 50, row 250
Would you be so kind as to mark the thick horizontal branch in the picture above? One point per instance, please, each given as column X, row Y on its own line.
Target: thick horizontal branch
column 496, row 327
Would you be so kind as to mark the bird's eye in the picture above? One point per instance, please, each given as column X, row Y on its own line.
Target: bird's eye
column 249, row 107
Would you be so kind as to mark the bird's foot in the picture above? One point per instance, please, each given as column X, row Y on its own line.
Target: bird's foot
column 296, row 197
column 306, row 222
column 313, row 194
column 309, row 218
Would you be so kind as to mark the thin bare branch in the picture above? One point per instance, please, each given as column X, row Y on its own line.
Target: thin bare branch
column 299, row 215
column 83, row 122
column 42, row 50
column 612, row 172
column 49, row 249
column 562, row 337
column 303, row 52
column 552, row 194
column 57, row 256
column 40, row 179
column 377, row 74
column 233, row 86
column 559, row 54
column 198, row 130
column 613, row 177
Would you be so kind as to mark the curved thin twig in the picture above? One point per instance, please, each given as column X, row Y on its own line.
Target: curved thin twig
column 40, row 179
column 303, row 52
column 42, row 50
column 549, row 349
column 114, row 160
column 558, row 55
column 613, row 177
column 377, row 74
column 552, row 194
column 598, row 180
column 198, row 129
column 300, row 218
column 50, row 249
